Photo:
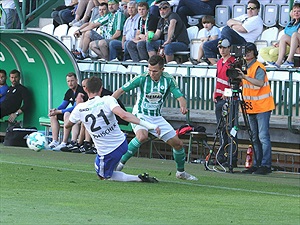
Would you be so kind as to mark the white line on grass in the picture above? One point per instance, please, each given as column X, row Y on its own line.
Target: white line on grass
column 174, row 182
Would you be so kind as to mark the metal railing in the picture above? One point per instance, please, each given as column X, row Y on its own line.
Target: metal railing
column 198, row 90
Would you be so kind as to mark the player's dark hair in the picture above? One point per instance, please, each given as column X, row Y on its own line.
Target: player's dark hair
column 156, row 59
column 17, row 72
column 71, row 74
column 4, row 72
column 94, row 84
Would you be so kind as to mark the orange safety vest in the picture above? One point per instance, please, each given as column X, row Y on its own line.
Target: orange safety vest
column 257, row 99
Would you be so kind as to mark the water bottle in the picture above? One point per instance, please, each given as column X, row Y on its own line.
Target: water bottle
column 249, row 156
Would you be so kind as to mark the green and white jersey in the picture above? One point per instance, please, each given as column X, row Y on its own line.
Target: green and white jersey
column 151, row 94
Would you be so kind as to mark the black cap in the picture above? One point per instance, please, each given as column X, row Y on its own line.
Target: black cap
column 251, row 47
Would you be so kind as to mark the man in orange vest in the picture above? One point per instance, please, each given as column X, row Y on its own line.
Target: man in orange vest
column 259, row 104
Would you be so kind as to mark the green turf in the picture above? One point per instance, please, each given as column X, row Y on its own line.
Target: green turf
column 61, row 188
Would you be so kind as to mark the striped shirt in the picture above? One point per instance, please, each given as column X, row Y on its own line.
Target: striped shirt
column 151, row 94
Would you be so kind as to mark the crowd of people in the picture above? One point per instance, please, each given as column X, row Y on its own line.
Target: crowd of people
column 136, row 30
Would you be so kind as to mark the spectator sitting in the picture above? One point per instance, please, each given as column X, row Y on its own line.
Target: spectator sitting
column 147, row 23
column 89, row 34
column 63, row 113
column 291, row 37
column 64, row 14
column 196, row 7
column 87, row 13
column 114, row 22
column 129, row 30
column 16, row 94
column 207, row 33
column 239, row 31
column 171, row 34
column 3, row 85
column 79, row 12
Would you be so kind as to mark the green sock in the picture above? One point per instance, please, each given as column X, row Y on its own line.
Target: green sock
column 133, row 147
column 179, row 157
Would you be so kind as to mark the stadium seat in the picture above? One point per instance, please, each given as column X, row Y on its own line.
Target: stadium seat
column 48, row 29
column 284, row 15
column 192, row 34
column 268, row 35
column 60, row 31
column 270, row 14
column 238, row 10
column 222, row 15
column 279, row 2
column 69, row 40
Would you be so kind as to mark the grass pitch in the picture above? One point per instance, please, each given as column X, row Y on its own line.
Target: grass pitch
column 49, row 187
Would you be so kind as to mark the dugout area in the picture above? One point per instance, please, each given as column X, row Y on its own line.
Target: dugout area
column 43, row 62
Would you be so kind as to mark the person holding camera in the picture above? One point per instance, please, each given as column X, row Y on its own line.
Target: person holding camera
column 259, row 104
column 221, row 101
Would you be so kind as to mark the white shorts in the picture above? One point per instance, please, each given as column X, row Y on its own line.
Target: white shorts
column 167, row 131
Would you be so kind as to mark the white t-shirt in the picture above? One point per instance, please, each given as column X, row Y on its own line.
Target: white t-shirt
column 8, row 4
column 212, row 32
column 253, row 25
column 101, row 123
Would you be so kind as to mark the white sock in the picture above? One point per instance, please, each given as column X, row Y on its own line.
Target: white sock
column 121, row 176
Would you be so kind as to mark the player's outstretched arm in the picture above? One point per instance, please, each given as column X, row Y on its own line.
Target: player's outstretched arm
column 182, row 104
column 133, row 119
column 118, row 93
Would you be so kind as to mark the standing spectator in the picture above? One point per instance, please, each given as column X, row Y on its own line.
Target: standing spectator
column 259, row 105
column 64, row 14
column 114, row 22
column 62, row 112
column 137, row 47
column 17, row 99
column 239, row 31
column 196, row 7
column 154, row 87
column 221, row 103
column 290, row 38
column 207, row 33
column 171, row 34
column 89, row 34
column 109, row 140
column 9, row 17
column 3, row 85
column 129, row 30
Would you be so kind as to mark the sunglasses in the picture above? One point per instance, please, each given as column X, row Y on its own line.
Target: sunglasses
column 252, row 8
column 165, row 7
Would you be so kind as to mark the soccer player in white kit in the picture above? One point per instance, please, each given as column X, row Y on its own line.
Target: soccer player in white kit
column 154, row 87
column 98, row 116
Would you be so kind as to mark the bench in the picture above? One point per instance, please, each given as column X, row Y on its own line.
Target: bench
column 45, row 122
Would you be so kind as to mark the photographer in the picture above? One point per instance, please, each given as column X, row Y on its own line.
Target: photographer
column 221, row 102
column 259, row 104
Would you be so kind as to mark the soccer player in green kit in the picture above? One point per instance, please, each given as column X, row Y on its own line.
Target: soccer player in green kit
column 154, row 87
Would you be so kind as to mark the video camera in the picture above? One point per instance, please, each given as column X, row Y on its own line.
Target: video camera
column 238, row 51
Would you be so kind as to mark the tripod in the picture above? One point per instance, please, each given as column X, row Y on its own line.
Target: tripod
column 232, row 126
